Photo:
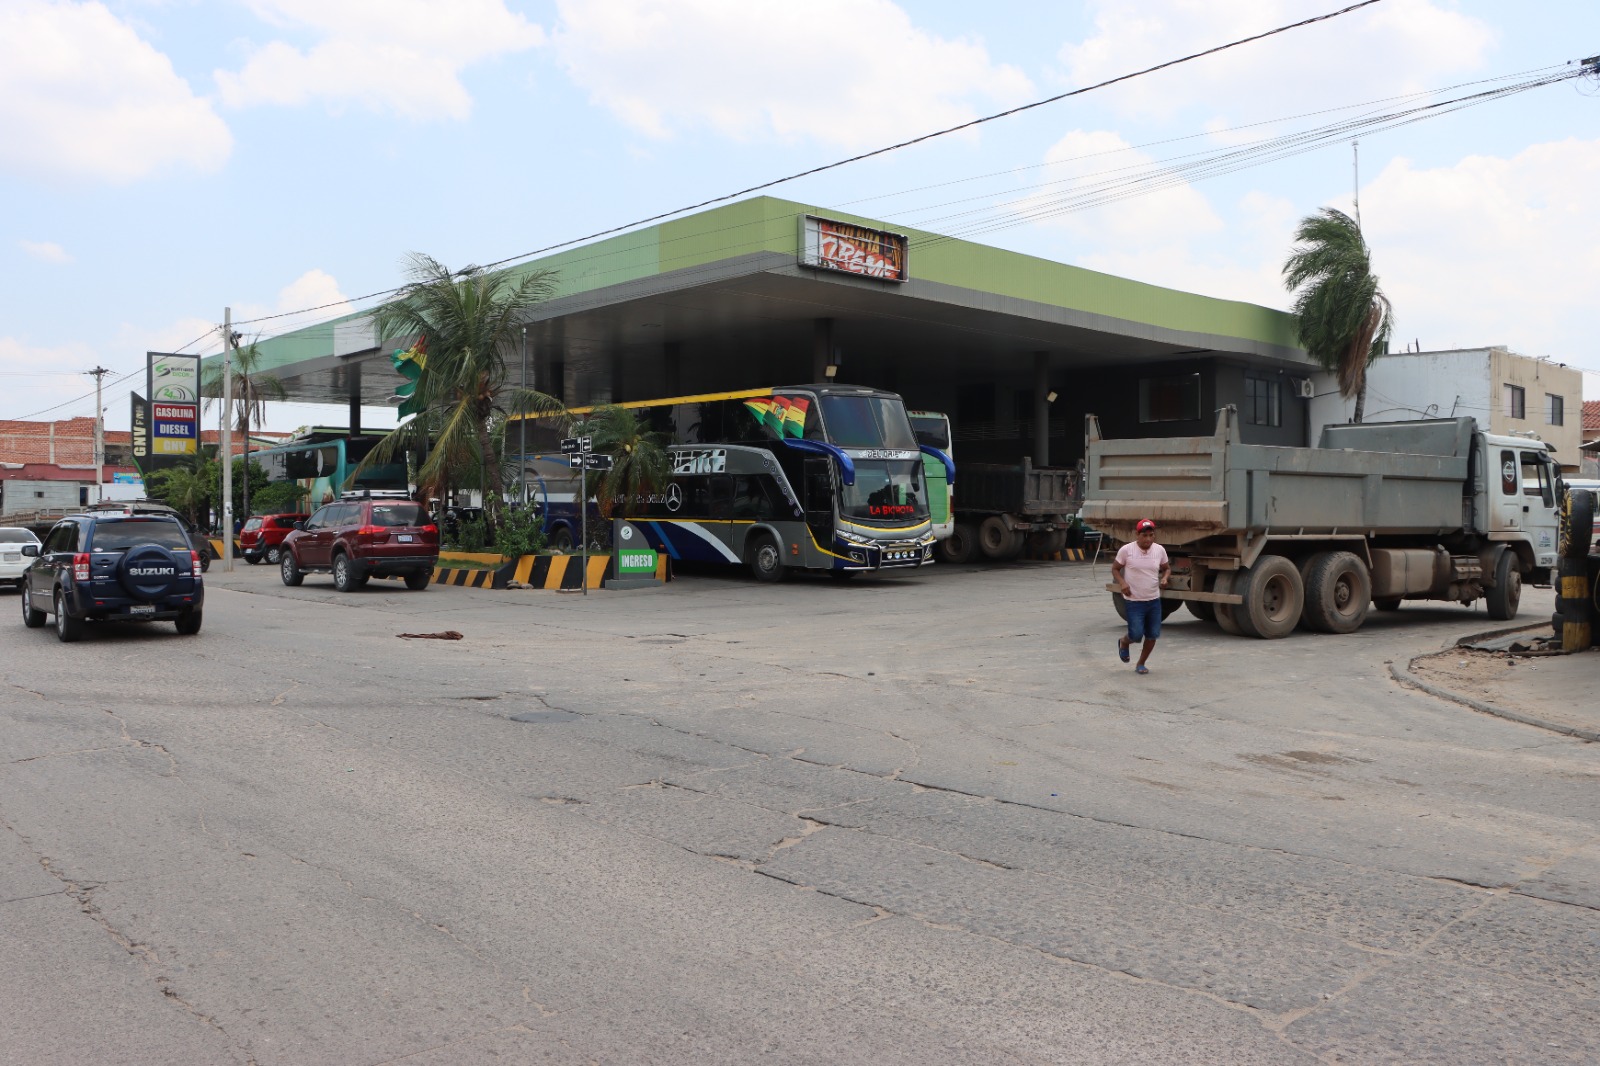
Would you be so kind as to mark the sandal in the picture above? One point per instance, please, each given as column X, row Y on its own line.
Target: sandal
column 1141, row 669
column 1122, row 651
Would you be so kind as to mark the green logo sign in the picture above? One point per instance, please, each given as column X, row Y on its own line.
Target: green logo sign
column 635, row 561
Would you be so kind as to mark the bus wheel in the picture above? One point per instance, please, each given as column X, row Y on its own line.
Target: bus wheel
column 765, row 560
column 561, row 539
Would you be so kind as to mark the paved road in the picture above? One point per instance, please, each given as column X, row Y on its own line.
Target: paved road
column 923, row 820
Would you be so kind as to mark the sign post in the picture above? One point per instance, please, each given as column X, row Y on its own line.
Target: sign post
column 581, row 458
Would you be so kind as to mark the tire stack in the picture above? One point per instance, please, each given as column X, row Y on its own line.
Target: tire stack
column 1575, row 603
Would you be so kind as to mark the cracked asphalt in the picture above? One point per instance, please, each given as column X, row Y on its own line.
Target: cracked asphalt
column 924, row 819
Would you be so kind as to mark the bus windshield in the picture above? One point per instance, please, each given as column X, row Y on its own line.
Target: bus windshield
column 867, row 422
column 888, row 491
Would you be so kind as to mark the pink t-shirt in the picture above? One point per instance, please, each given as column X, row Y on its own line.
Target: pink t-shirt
column 1142, row 570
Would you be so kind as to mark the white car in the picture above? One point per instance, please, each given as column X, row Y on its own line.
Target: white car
column 12, row 561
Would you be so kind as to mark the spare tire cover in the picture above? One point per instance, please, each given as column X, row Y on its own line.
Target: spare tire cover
column 148, row 571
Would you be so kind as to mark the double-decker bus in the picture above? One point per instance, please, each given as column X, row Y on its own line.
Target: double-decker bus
column 322, row 464
column 813, row 477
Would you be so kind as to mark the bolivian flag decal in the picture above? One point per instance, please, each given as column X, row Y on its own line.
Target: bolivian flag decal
column 784, row 416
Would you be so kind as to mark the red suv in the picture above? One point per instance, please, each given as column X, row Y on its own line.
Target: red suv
column 367, row 534
column 262, row 534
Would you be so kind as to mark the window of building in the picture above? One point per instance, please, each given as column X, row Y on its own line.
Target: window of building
column 1516, row 401
column 1263, row 404
column 1169, row 399
column 1554, row 409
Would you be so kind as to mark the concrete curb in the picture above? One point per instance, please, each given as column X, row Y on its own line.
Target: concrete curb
column 1404, row 675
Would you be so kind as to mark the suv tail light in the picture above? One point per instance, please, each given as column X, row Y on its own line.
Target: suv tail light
column 373, row 533
column 194, row 561
column 430, row 530
column 80, row 567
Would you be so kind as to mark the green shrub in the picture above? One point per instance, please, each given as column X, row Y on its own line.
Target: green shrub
column 519, row 533
column 473, row 536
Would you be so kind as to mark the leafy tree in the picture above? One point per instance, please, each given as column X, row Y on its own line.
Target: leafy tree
column 188, row 488
column 465, row 322
column 278, row 497
column 1343, row 317
column 251, row 387
column 639, row 465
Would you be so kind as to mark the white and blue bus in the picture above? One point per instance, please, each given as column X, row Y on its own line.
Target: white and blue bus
column 809, row 477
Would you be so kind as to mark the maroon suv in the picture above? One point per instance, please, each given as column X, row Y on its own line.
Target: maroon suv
column 262, row 535
column 363, row 535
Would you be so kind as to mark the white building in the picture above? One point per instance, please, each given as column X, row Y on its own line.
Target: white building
column 1504, row 391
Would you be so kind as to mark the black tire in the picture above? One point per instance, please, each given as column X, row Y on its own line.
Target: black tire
column 68, row 628
column 959, row 546
column 31, row 618
column 1338, row 592
column 253, row 558
column 418, row 580
column 205, row 558
column 346, row 574
column 274, row 555
column 188, row 622
column 1506, row 594
column 997, row 541
column 1224, row 612
column 289, row 571
column 1203, row 610
column 1391, row 603
column 1046, row 543
column 1576, row 524
column 1169, row 608
column 764, row 559
column 1121, row 604
column 561, row 539
column 1273, row 595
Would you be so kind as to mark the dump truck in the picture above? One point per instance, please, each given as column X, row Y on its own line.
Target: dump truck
column 994, row 510
column 1266, row 538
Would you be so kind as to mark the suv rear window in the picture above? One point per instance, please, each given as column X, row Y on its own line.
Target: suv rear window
column 116, row 536
column 398, row 514
column 17, row 536
column 254, row 523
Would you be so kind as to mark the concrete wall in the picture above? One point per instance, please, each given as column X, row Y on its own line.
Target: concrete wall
column 1461, row 382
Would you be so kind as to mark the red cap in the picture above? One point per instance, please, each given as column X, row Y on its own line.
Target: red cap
column 1144, row 524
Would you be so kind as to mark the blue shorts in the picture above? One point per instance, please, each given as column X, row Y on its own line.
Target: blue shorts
column 1144, row 620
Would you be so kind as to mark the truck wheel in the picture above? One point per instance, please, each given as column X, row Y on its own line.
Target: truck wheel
column 1169, row 608
column 1507, row 591
column 996, row 541
column 1576, row 524
column 1225, row 612
column 959, row 545
column 1203, row 610
column 1338, row 590
column 1273, row 598
column 1120, row 604
column 1046, row 544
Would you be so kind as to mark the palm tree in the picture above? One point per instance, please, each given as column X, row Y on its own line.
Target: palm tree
column 639, row 464
column 251, row 387
column 467, row 322
column 188, row 487
column 1343, row 317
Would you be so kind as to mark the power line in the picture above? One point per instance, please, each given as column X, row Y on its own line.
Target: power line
column 858, row 158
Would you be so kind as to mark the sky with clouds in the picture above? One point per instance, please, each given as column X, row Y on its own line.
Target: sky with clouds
column 164, row 159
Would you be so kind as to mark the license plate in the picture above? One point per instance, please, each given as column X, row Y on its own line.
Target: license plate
column 142, row 608
column 405, row 538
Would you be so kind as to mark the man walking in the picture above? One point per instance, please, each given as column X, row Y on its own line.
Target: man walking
column 1140, row 572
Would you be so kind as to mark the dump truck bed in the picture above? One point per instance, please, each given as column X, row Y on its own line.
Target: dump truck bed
column 1385, row 478
column 1020, row 488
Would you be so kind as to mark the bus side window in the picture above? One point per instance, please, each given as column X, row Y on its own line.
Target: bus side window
column 819, row 487
column 751, row 500
column 721, row 497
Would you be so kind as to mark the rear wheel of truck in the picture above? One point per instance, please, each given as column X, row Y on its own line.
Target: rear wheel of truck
column 1507, row 591
column 959, row 545
column 1338, row 591
column 1576, row 524
column 997, row 541
column 1273, row 595
column 1046, row 544
column 1224, row 612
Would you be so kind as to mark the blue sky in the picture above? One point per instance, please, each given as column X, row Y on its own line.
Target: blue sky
column 163, row 159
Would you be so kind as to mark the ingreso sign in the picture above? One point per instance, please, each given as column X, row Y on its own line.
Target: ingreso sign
column 636, row 562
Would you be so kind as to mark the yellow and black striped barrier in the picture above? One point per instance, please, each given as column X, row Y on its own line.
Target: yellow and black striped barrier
column 550, row 572
column 1065, row 555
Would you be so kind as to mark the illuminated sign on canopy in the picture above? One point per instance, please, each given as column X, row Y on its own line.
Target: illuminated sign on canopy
column 851, row 249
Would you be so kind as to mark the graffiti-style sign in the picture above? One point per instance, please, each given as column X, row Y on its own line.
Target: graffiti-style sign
column 852, row 249
column 700, row 461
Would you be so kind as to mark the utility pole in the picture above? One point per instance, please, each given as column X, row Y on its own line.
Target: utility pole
column 98, row 373
column 1355, row 164
column 226, row 440
column 522, row 462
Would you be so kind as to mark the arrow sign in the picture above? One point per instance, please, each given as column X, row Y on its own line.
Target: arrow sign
column 597, row 462
column 575, row 461
column 571, row 445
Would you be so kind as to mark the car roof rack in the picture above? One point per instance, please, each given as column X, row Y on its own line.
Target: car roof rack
column 375, row 494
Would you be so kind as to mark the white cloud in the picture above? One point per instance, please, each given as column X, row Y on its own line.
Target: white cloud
column 81, row 95
column 1398, row 46
column 1492, row 250
column 398, row 56
column 847, row 72
column 45, row 251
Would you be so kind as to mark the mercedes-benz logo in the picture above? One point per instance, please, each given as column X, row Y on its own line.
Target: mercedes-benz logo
column 674, row 497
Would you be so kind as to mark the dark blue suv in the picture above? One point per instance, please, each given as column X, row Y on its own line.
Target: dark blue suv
column 113, row 566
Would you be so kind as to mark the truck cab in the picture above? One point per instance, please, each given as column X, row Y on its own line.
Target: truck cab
column 1515, row 497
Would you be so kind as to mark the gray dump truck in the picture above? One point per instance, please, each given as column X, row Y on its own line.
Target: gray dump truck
column 1263, row 538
